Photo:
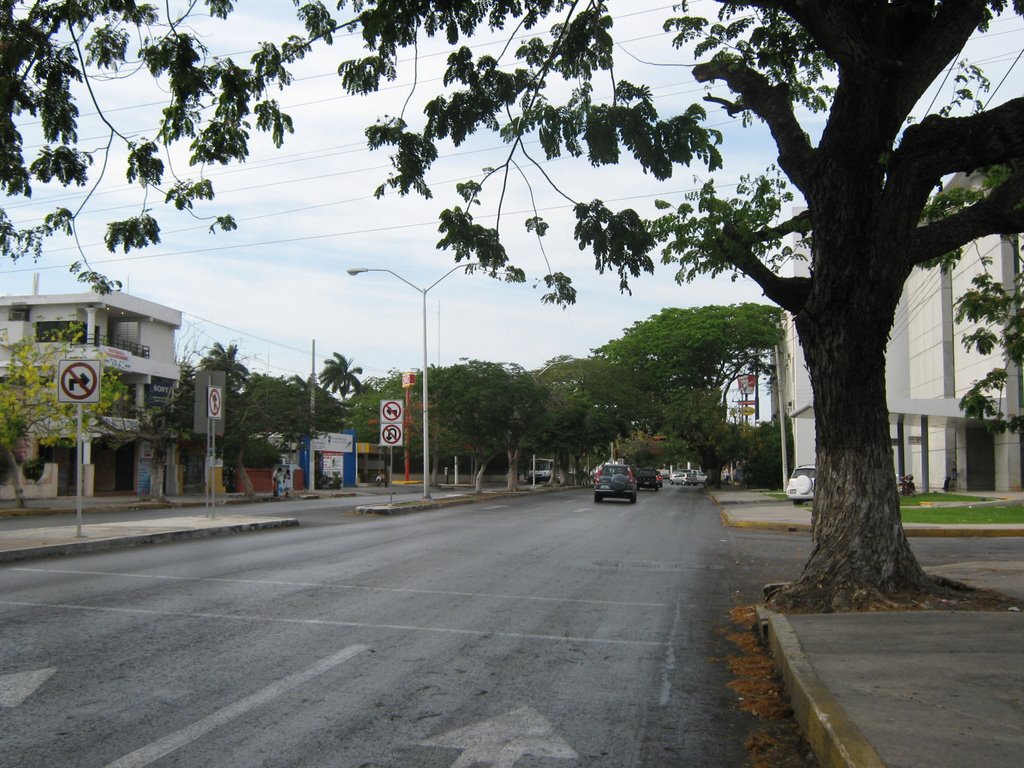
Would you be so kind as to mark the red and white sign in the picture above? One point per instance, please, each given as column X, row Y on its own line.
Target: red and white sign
column 78, row 381
column 214, row 403
column 409, row 379
column 391, row 411
column 391, row 434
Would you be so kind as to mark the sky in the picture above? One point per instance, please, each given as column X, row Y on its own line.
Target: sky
column 278, row 286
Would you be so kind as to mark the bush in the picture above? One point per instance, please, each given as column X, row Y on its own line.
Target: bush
column 34, row 469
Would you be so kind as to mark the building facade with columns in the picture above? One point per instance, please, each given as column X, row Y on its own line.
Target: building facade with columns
column 133, row 335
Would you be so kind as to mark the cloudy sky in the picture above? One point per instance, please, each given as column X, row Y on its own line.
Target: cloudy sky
column 306, row 214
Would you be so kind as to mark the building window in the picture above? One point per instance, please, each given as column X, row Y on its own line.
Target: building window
column 60, row 330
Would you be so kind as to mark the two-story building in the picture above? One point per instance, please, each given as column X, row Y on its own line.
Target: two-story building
column 128, row 333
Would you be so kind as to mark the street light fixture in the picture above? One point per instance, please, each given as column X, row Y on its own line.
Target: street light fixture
column 426, row 391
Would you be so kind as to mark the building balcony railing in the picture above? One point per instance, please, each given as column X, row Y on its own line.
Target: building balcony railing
column 139, row 350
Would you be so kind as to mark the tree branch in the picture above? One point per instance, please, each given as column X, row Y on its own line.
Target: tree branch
column 939, row 146
column 1000, row 212
column 772, row 104
column 790, row 293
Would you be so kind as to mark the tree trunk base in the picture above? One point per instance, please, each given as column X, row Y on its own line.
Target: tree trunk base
column 931, row 594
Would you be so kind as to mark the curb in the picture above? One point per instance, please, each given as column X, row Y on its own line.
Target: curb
column 835, row 740
column 764, row 525
column 124, row 542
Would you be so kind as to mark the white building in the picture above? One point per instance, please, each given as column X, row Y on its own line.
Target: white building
column 135, row 336
column 928, row 371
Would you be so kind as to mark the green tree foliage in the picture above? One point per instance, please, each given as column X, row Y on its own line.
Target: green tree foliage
column 227, row 359
column 278, row 407
column 761, row 454
column 340, row 376
column 699, row 348
column 684, row 360
column 487, row 408
column 591, row 404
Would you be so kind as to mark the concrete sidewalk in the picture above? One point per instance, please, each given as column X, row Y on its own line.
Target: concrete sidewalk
column 909, row 689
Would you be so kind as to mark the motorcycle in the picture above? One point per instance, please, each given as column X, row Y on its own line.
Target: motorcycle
column 906, row 484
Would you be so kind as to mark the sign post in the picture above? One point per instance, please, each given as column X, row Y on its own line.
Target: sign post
column 214, row 411
column 408, row 382
column 78, row 382
column 208, row 419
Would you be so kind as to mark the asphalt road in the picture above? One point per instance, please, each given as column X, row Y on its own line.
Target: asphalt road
column 536, row 632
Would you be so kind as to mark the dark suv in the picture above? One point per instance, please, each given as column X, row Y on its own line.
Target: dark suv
column 648, row 478
column 615, row 481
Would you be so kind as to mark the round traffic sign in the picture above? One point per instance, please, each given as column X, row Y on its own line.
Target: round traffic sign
column 214, row 402
column 78, row 381
column 391, row 434
column 390, row 410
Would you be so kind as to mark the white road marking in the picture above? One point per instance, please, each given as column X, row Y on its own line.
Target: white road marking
column 346, row 624
column 17, row 687
column 326, row 585
column 152, row 752
column 500, row 742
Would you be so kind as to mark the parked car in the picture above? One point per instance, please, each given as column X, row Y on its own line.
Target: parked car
column 615, row 481
column 648, row 478
column 695, row 477
column 800, row 487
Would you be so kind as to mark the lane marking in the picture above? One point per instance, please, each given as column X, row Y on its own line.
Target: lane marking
column 17, row 687
column 345, row 624
column 161, row 747
column 356, row 587
column 501, row 741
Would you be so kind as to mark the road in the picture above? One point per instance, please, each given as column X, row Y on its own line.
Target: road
column 533, row 632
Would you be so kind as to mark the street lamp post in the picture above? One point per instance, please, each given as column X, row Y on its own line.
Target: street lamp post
column 426, row 390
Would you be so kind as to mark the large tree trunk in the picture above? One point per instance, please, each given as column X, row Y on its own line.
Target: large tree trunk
column 861, row 556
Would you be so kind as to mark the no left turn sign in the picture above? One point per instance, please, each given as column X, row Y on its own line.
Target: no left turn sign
column 78, row 381
column 391, row 411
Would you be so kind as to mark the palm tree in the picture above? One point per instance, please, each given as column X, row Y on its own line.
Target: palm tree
column 340, row 376
column 219, row 358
